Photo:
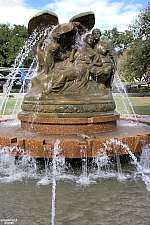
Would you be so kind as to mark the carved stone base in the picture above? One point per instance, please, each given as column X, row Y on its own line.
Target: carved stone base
column 70, row 105
column 70, row 113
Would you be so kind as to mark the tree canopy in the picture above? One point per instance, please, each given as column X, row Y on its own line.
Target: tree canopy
column 135, row 60
column 12, row 38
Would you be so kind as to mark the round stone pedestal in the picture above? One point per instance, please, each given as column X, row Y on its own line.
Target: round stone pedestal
column 99, row 124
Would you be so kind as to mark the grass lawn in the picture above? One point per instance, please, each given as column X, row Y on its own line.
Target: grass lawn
column 12, row 105
column 141, row 105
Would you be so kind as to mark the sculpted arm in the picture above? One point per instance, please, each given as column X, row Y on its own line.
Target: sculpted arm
column 73, row 55
column 40, row 43
column 97, row 60
column 80, row 27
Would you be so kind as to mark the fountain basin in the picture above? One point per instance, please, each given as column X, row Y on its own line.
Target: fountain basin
column 129, row 135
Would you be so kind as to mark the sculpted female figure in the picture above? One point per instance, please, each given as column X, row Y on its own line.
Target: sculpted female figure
column 103, row 70
column 46, row 58
column 46, row 61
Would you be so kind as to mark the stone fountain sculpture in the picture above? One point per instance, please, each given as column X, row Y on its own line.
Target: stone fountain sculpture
column 71, row 93
column 70, row 98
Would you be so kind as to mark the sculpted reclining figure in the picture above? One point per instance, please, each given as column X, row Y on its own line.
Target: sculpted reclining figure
column 77, row 74
column 95, row 60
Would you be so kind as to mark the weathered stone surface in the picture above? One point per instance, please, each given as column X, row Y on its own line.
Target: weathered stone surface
column 73, row 148
column 131, row 142
column 66, row 110
column 87, row 19
column 35, row 147
column 70, row 148
column 56, row 121
column 69, row 125
column 7, row 141
column 41, row 20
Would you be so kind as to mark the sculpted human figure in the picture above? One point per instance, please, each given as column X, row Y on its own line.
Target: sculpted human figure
column 50, row 60
column 46, row 57
column 104, row 65
column 46, row 60
column 77, row 74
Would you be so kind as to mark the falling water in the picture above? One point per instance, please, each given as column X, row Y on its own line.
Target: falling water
column 12, row 169
column 145, row 158
column 124, row 96
column 143, row 167
column 56, row 162
column 84, row 179
column 25, row 50
column 54, row 183
column 145, row 164
column 31, row 73
column 24, row 173
column 102, row 162
column 116, row 146
column 83, row 152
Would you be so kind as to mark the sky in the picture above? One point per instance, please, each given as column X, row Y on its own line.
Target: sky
column 108, row 13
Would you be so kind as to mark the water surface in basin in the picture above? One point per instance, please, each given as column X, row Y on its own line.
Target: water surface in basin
column 101, row 194
column 124, row 128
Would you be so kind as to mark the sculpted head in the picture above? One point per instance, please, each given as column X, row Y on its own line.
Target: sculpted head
column 89, row 39
column 96, row 33
column 54, row 47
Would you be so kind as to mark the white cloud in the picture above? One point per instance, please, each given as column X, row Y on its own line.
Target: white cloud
column 21, row 15
column 15, row 12
column 108, row 15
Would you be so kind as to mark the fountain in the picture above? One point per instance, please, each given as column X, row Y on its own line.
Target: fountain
column 70, row 98
column 69, row 113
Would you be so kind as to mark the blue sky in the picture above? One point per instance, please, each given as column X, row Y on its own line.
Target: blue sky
column 108, row 13
column 40, row 4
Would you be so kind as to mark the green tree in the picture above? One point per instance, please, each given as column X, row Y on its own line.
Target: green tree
column 12, row 38
column 119, row 40
column 4, row 41
column 111, row 36
column 141, row 25
column 135, row 61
